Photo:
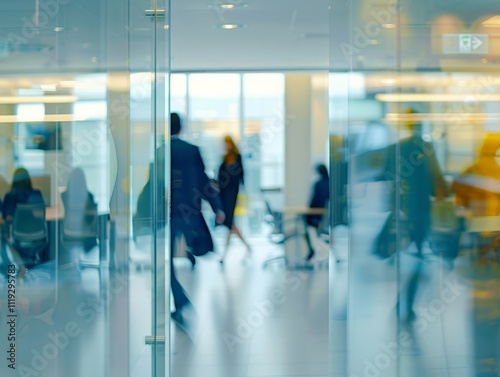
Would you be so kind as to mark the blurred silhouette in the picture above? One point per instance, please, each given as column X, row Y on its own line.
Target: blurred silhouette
column 478, row 186
column 29, row 233
column 22, row 192
column 142, row 220
column 319, row 199
column 189, row 185
column 230, row 177
column 415, row 177
column 80, row 223
column 477, row 189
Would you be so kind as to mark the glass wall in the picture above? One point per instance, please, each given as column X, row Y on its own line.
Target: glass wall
column 82, row 112
column 248, row 107
column 414, row 120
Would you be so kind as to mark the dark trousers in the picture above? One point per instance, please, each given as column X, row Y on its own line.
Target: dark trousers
column 177, row 228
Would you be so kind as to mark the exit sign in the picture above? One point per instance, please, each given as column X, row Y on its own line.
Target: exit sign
column 465, row 43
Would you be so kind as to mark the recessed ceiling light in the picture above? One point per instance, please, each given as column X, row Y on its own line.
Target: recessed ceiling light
column 230, row 26
column 388, row 26
column 228, row 5
column 492, row 22
column 57, row 29
column 166, row 27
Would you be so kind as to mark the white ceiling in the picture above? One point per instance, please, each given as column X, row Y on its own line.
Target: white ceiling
column 280, row 35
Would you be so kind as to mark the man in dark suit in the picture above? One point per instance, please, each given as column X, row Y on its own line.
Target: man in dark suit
column 414, row 177
column 189, row 185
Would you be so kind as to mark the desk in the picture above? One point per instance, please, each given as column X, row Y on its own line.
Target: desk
column 300, row 214
column 483, row 245
column 303, row 211
column 479, row 224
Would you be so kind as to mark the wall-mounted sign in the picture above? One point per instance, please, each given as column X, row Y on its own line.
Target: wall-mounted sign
column 465, row 43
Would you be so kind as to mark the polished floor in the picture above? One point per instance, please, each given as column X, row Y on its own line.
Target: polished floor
column 251, row 319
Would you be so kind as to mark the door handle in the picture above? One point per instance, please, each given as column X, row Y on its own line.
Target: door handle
column 160, row 13
column 150, row 339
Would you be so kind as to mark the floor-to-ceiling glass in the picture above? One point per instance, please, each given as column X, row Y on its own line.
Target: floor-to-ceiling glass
column 414, row 122
column 83, row 109
column 255, row 71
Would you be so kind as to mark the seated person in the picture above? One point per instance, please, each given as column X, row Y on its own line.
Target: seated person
column 477, row 188
column 80, row 212
column 21, row 192
column 320, row 196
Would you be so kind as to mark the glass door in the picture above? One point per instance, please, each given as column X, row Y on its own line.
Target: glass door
column 83, row 94
column 414, row 121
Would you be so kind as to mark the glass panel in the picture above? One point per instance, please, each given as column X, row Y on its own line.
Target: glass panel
column 263, row 144
column 214, row 112
column 418, row 106
column 80, row 110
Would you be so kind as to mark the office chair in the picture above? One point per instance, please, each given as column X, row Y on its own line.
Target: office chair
column 80, row 230
column 275, row 219
column 29, row 232
column 323, row 235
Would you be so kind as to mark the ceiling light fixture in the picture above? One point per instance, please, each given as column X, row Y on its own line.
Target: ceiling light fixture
column 57, row 29
column 442, row 117
column 492, row 22
column 38, row 119
column 388, row 26
column 230, row 26
column 38, row 99
column 428, row 97
column 388, row 82
column 228, row 5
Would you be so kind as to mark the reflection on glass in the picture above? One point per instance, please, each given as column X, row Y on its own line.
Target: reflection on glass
column 423, row 274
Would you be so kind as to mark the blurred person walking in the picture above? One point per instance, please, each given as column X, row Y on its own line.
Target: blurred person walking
column 415, row 177
column 189, row 185
column 229, row 179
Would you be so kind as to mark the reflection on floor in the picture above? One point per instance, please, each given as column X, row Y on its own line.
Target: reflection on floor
column 267, row 322
column 251, row 321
